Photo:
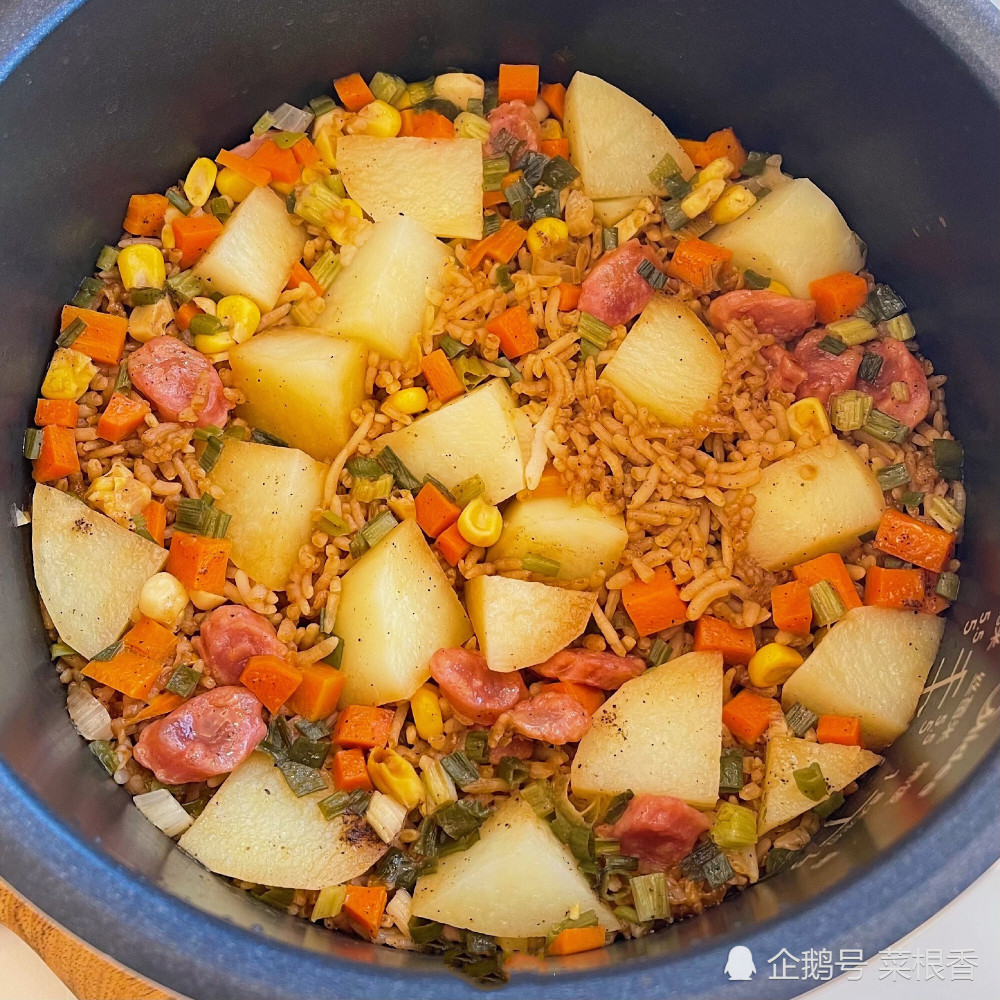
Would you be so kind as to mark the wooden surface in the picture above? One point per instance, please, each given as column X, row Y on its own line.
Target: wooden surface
column 88, row 974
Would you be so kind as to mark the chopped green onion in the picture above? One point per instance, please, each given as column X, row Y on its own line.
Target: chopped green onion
column 911, row 498
column 87, row 294
column 753, row 280
column 312, row 730
column 359, row 546
column 677, row 187
column 340, row 802
column 70, row 334
column 540, row 565
column 594, row 331
column 545, row 205
column 826, row 603
column 195, row 808
column 476, row 746
column 947, row 586
column 617, row 806
column 185, row 285
column 439, row 788
column 220, row 208
column 326, row 268
column 364, row 467
column 366, row 490
column 459, row 819
column 800, row 720
column 209, row 457
column 891, row 562
column 708, row 863
column 559, row 173
column 851, row 331
column 376, row 529
column 393, row 464
column 539, row 797
column 109, row 652
column 581, row 842
column 103, row 751
column 205, row 324
column 627, row 914
column 900, row 327
column 673, row 215
column 291, row 200
column 491, row 223
column 779, row 859
column 332, row 524
column 58, row 649
column 649, row 893
column 652, row 275
column 285, row 140
column 948, row 458
column 145, row 296
column 756, row 162
column 279, row 898
column 731, row 771
column 472, row 126
column 667, row 167
column 518, row 195
column 900, row 392
column 335, row 658
column 183, row 681
column 107, row 258
column 396, row 870
column 513, row 374
column 440, row 487
column 532, row 166
column 329, row 902
column 439, row 104
column 871, row 365
column 610, row 862
column 849, row 410
column 892, row 476
column 885, row 302
column 508, row 144
column 609, row 238
column 424, row 931
column 265, row 122
column 471, row 371
column 336, row 184
column 810, row 781
column 322, row 104
column 311, row 753
column 452, row 348
column 460, row 769
column 495, row 168
column 832, row 346
column 32, row 446
column 829, row 805
column 503, row 278
column 426, row 843
column 735, row 827
column 456, row 846
column 513, row 771
column 468, row 489
column 944, row 512
column 122, row 381
column 315, row 203
column 301, row 779
column 659, row 653
column 387, row 87
column 179, row 202
column 200, row 517
column 262, row 437
column 277, row 739
column 885, row 428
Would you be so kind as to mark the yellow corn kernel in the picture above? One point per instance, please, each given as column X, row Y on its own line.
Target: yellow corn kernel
column 735, row 200
column 380, row 119
column 426, row 709
column 773, row 664
column 214, row 343
column 239, row 315
column 233, row 185
column 396, row 777
column 343, row 230
column 778, row 287
column 551, row 129
column 547, row 233
column 410, row 401
column 68, row 375
column 147, row 322
column 306, row 310
column 808, row 417
column 480, row 523
column 325, row 142
column 702, row 198
column 121, row 496
column 141, row 266
column 167, row 237
column 719, row 169
column 204, row 601
column 200, row 180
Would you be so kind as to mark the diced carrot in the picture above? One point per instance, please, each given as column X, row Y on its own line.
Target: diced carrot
column 516, row 331
column 737, row 645
column 272, row 679
column 305, row 153
column 431, row 125
column 933, row 603
column 127, row 671
column 829, row 567
column 363, row 726
column 317, row 696
column 517, row 83
column 435, row 512
column 696, row 151
column 894, row 588
column 151, row 639
column 512, row 178
column 281, row 163
column 698, row 263
column 590, row 697
column 56, row 413
column 103, row 339
column 550, row 485
column 576, row 939
column 58, row 456
column 408, row 118
column 159, row 704
column 501, row 246
column 441, row 376
column 569, row 296
column 185, row 314
column 301, row 276
column 747, row 715
column 121, row 417
column 838, row 295
column 353, row 91
column 721, row 143
column 253, row 173
column 554, row 95
column 350, row 771
column 155, row 515
column 924, row 545
column 198, row 562
column 655, row 605
column 365, row 904
column 842, row 729
column 145, row 214
column 493, row 198
column 193, row 235
column 791, row 609
column 452, row 545
column 555, row 147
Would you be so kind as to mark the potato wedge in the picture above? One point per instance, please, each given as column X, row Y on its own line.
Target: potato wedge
column 88, row 570
column 256, row 829
column 611, row 211
column 517, row 880
column 658, row 734
column 873, row 664
column 520, row 623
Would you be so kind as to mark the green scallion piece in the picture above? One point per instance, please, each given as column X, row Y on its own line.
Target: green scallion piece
column 185, row 285
column 780, row 859
column 829, row 805
column 667, row 167
column 885, row 428
column 513, row 375
column 364, row 467
column 559, row 173
column 452, row 348
column 627, row 914
column 301, row 779
column 201, row 517
column 109, row 652
column 326, row 269
column 457, row 846
column 649, row 894
column 892, row 476
column 423, row 932
column 68, row 337
column 280, row 898
column 340, row 802
column 947, row 586
column 440, row 105
column 104, row 752
column 183, row 680
column 503, row 278
column 826, row 603
column 800, row 720
column 264, row 123
column 472, row 126
column 426, row 844
column 617, row 806
column 145, row 296
column 396, row 870
column 377, row 528
column 911, row 498
column 891, row 562
column 459, row 819
column 707, row 863
column 476, row 746
column 335, row 658
column 735, row 827
column 532, row 166
column 220, row 208
column 495, row 168
column 312, row 730
column 107, row 258
column 58, row 649
column 756, row 162
column 900, row 327
column 851, row 331
column 32, row 445
column 393, row 464
column 460, row 769
column 88, row 293
column 332, row 524
column 949, row 456
column 659, row 653
column 475, row 107
column 278, row 738
column 885, row 302
column 731, row 771
column 468, row 489
column 673, row 215
column 832, row 346
column 366, row 490
column 209, row 457
column 518, row 195
column 677, row 187
column 140, row 527
column 513, row 771
column 262, row 437
column 594, row 330
column 755, row 281
column 545, row 205
column 508, row 144
column 179, row 201
column 471, row 371
column 810, row 781
column 122, row 381
column 539, row 797
column 285, row 140
column 849, row 409
column 900, row 392
column 312, row 753
column 944, row 512
column 609, row 238
column 871, row 365
column 440, row 487
column 491, row 223
column 358, row 546
column 322, row 104
column 580, row 840
column 540, row 565
column 651, row 274
column 612, row 861
column 329, row 902
column 205, row 324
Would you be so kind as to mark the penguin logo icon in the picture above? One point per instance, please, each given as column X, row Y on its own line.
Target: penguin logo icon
column 739, row 966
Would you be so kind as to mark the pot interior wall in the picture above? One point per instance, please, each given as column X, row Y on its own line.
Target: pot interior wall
column 863, row 100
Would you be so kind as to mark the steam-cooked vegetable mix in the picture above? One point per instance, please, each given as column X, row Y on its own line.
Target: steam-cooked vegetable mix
column 469, row 516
